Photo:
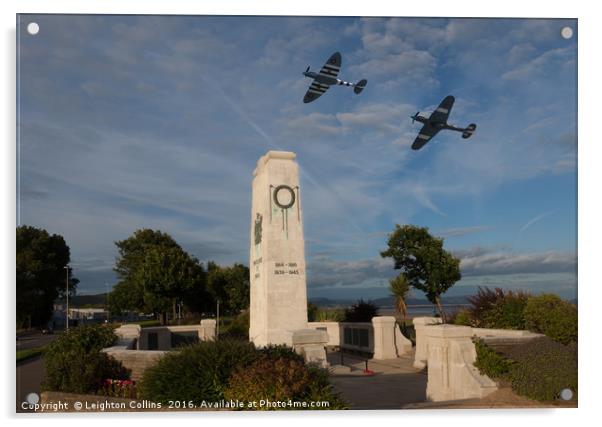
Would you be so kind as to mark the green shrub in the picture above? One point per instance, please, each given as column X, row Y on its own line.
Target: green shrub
column 281, row 379
column 198, row 372
column 507, row 311
column 491, row 363
column 480, row 303
column 542, row 368
column 538, row 369
column 462, row 318
column 312, row 310
column 330, row 315
column 361, row 311
column 497, row 309
column 238, row 328
column 549, row 315
column 275, row 352
column 74, row 363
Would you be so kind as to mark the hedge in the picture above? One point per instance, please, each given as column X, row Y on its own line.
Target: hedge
column 539, row 369
column 74, row 363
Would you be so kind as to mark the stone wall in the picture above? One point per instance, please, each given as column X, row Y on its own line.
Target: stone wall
column 332, row 329
column 136, row 360
column 381, row 337
column 449, row 352
column 132, row 351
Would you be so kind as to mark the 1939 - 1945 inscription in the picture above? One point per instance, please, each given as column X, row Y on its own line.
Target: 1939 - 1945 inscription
column 284, row 268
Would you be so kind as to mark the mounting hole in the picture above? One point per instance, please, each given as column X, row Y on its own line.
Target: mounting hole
column 566, row 394
column 566, row 33
column 33, row 28
column 32, row 398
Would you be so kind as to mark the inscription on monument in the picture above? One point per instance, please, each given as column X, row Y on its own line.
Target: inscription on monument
column 284, row 268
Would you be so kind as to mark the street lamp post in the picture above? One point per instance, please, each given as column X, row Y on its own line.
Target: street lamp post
column 67, row 298
column 217, row 322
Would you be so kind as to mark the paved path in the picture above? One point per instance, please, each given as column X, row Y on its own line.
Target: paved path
column 396, row 382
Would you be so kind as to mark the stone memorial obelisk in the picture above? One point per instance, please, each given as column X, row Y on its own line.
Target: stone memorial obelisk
column 277, row 252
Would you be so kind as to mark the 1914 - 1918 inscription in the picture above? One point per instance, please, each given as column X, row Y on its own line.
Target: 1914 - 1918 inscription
column 283, row 268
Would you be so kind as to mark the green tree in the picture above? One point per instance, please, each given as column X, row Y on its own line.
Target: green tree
column 126, row 296
column 155, row 273
column 229, row 285
column 422, row 259
column 400, row 288
column 168, row 275
column 41, row 275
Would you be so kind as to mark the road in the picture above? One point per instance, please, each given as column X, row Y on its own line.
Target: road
column 36, row 340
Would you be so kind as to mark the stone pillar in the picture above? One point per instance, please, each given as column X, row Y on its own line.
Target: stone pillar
column 420, row 323
column 207, row 330
column 451, row 371
column 384, row 337
column 440, row 378
column 311, row 344
column 277, row 252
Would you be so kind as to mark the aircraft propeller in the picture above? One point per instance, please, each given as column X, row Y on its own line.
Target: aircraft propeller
column 414, row 116
column 307, row 69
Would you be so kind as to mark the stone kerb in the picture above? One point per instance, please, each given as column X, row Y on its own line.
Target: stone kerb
column 451, row 373
column 127, row 337
column 420, row 325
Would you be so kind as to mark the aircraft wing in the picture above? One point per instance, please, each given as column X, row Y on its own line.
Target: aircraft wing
column 315, row 90
column 442, row 112
column 424, row 136
column 332, row 66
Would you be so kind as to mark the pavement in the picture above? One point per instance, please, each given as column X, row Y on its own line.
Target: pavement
column 29, row 378
column 503, row 398
column 395, row 383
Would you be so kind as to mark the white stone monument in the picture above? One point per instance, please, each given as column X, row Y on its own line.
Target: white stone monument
column 277, row 257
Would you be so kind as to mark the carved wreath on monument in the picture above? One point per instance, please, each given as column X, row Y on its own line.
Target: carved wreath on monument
column 284, row 196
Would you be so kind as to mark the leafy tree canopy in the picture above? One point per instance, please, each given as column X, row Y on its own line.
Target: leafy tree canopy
column 423, row 261
column 41, row 274
column 230, row 285
column 155, row 273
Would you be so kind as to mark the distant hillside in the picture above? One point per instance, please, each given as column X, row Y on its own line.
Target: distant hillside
column 387, row 301
column 99, row 300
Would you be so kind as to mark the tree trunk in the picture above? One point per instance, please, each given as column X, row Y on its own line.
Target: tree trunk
column 163, row 318
column 440, row 309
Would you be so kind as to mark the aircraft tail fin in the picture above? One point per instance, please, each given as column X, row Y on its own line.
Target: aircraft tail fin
column 469, row 131
column 359, row 86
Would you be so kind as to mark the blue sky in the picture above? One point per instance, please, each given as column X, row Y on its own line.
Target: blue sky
column 128, row 122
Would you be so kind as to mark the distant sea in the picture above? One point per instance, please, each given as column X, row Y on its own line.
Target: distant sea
column 420, row 310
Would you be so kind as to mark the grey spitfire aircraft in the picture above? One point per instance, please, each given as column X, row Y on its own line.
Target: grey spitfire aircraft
column 436, row 122
column 328, row 77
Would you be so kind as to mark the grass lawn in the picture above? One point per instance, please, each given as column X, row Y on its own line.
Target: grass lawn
column 29, row 353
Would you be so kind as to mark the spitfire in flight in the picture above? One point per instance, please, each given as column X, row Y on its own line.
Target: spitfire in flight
column 438, row 121
column 326, row 77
